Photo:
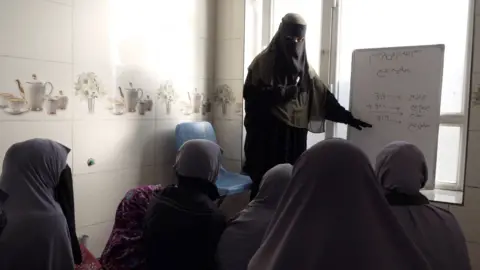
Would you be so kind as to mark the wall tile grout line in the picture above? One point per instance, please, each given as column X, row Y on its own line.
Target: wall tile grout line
column 96, row 223
column 120, row 145
column 59, row 3
column 35, row 59
column 112, row 170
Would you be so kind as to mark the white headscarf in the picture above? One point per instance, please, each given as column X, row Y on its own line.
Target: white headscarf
column 333, row 216
column 244, row 234
column 36, row 235
column 401, row 168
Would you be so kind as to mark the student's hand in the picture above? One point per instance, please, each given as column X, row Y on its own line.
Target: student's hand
column 359, row 124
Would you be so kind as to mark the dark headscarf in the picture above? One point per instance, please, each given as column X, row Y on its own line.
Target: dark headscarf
column 284, row 60
column 291, row 54
column 401, row 168
column 197, row 166
column 333, row 216
column 402, row 171
column 37, row 235
column 244, row 234
column 183, row 224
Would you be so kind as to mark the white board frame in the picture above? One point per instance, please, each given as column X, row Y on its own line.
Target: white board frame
column 431, row 178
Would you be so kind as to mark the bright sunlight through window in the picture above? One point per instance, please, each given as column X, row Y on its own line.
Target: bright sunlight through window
column 155, row 36
column 390, row 23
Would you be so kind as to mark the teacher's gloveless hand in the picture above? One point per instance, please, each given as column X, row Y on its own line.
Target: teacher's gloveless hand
column 358, row 124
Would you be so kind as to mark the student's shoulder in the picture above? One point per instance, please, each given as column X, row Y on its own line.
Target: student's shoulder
column 444, row 215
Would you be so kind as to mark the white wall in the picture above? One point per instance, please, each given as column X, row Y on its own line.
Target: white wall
column 145, row 42
column 229, row 70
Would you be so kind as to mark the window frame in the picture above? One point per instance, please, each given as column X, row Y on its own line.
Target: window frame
column 452, row 119
column 328, row 73
column 261, row 15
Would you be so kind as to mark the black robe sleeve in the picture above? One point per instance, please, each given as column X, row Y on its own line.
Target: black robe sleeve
column 64, row 196
column 258, row 98
column 3, row 216
column 336, row 112
column 218, row 225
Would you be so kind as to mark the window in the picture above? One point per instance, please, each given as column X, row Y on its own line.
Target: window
column 253, row 31
column 391, row 23
column 254, row 22
column 338, row 27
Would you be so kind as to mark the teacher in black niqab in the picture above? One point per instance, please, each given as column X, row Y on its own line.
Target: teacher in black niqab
column 284, row 99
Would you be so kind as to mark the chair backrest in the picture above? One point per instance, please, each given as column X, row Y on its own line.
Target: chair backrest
column 193, row 130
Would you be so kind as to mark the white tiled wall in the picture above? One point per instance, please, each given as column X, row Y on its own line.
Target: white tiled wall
column 59, row 39
column 63, row 40
column 228, row 121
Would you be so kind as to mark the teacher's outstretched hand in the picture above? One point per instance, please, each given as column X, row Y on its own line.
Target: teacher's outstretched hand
column 358, row 124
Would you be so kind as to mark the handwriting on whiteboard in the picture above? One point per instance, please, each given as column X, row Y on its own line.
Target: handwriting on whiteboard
column 379, row 96
column 393, row 56
column 418, row 126
column 384, row 72
column 407, row 110
column 418, row 97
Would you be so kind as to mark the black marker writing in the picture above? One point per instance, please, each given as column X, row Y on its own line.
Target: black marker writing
column 382, row 73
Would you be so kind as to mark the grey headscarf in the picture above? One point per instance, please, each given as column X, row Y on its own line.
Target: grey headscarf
column 307, row 110
column 401, row 167
column 199, row 159
column 36, row 236
column 333, row 216
column 244, row 234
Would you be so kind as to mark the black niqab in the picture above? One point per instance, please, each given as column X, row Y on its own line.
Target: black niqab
column 291, row 48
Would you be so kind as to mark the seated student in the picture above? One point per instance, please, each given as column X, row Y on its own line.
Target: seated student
column 124, row 249
column 89, row 261
column 183, row 224
column 37, row 234
column 402, row 171
column 333, row 216
column 245, row 232
column 64, row 196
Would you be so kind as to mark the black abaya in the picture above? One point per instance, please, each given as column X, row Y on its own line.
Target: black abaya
column 182, row 229
column 269, row 141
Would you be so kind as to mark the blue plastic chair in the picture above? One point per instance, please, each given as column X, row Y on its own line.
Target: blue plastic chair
column 228, row 183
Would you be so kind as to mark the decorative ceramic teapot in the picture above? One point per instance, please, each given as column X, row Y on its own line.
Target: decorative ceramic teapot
column 148, row 103
column 62, row 101
column 196, row 100
column 35, row 92
column 131, row 96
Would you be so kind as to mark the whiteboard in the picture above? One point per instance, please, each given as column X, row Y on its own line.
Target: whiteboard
column 398, row 91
